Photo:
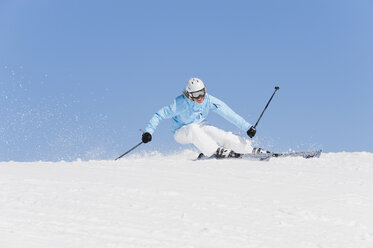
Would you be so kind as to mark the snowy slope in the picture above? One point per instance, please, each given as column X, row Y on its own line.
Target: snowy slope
column 172, row 201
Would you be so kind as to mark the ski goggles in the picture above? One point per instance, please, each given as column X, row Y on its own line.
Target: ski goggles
column 197, row 94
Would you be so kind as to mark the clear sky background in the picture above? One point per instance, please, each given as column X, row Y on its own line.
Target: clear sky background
column 78, row 79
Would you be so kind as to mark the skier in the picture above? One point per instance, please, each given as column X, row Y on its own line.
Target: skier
column 189, row 110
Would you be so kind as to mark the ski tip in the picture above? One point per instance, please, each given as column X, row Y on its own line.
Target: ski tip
column 304, row 154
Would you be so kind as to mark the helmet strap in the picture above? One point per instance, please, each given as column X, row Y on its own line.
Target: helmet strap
column 186, row 94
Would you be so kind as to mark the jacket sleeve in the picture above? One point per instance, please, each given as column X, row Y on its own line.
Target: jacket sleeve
column 166, row 112
column 227, row 113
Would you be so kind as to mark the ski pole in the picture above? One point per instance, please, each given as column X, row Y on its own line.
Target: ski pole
column 276, row 89
column 130, row 150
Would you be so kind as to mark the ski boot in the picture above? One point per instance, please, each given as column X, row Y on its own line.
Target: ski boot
column 260, row 150
column 225, row 153
column 201, row 156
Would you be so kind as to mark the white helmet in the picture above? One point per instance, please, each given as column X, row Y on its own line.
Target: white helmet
column 195, row 88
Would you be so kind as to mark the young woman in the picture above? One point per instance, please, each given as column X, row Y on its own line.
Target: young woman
column 189, row 110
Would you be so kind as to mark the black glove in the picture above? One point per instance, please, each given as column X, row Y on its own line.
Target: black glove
column 251, row 132
column 146, row 137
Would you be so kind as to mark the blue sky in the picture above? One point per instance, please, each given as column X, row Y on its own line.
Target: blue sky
column 78, row 79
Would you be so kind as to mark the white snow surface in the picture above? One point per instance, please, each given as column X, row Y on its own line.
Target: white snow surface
column 164, row 201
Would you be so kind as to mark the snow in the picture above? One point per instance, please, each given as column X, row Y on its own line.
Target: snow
column 172, row 201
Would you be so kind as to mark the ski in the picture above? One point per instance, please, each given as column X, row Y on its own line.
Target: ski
column 304, row 154
column 267, row 156
column 258, row 156
column 248, row 156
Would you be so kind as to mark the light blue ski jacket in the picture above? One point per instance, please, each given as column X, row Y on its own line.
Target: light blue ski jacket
column 184, row 112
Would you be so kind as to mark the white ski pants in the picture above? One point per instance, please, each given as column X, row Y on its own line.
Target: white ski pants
column 208, row 139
